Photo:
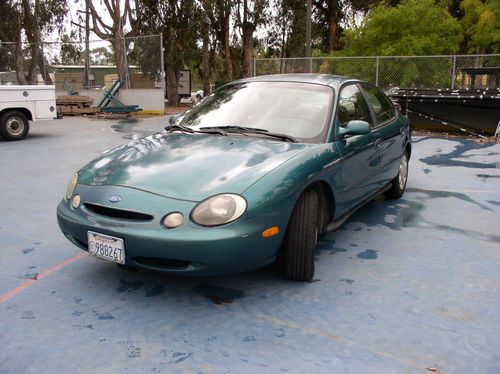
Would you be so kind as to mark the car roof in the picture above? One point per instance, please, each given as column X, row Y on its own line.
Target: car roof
column 324, row 79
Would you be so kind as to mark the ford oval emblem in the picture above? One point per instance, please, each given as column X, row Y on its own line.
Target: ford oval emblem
column 115, row 199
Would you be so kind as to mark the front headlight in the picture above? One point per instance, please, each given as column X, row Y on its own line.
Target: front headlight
column 71, row 186
column 218, row 210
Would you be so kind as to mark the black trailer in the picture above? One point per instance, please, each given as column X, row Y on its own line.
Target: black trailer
column 471, row 110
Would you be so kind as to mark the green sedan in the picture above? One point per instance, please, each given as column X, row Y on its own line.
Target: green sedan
column 252, row 174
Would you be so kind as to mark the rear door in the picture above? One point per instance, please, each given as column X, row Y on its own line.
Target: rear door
column 389, row 132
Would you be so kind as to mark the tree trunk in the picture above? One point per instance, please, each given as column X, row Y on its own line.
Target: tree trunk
column 248, row 29
column 19, row 60
column 41, row 64
column 35, row 56
column 31, row 28
column 227, row 49
column 205, row 64
column 332, row 29
column 172, row 78
column 247, row 49
column 119, row 50
column 86, row 70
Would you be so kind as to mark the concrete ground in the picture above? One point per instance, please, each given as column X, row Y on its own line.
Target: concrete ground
column 410, row 286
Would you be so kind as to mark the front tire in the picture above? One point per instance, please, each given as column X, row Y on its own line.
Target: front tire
column 300, row 238
column 399, row 183
column 13, row 125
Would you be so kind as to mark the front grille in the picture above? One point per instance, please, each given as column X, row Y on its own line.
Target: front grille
column 117, row 213
column 161, row 263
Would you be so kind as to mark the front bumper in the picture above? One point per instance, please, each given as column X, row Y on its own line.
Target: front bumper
column 187, row 249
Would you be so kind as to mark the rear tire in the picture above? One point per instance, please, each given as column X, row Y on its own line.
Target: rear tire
column 13, row 125
column 300, row 238
column 399, row 183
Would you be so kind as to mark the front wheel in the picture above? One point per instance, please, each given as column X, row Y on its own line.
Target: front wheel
column 300, row 239
column 399, row 183
column 13, row 125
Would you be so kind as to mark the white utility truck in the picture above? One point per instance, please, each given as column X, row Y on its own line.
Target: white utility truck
column 20, row 104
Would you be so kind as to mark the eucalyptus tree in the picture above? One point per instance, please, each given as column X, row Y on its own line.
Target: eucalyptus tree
column 250, row 15
column 178, row 22
column 30, row 19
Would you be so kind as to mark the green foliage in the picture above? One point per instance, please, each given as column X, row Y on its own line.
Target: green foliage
column 145, row 53
column 50, row 14
column 481, row 24
column 101, row 56
column 71, row 54
column 286, row 36
column 6, row 58
column 414, row 27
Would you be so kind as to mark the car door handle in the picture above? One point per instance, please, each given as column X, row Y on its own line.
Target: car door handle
column 377, row 143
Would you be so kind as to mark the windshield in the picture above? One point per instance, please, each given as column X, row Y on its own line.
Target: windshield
column 299, row 110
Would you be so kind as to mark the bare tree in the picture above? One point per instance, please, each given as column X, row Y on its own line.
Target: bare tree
column 114, row 31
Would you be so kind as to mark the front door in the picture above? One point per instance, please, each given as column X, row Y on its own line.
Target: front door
column 360, row 161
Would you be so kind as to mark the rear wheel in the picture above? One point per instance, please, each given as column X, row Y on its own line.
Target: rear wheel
column 399, row 183
column 300, row 239
column 13, row 125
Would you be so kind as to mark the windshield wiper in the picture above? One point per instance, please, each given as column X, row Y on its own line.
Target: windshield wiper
column 253, row 130
column 235, row 128
column 178, row 127
column 279, row 136
column 214, row 130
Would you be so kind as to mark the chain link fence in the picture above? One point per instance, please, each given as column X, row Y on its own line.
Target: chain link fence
column 456, row 71
column 72, row 66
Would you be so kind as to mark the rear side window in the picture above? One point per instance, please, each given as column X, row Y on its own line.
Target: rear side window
column 352, row 106
column 382, row 106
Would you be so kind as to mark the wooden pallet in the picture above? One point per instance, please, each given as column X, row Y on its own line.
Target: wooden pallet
column 72, row 110
column 81, row 101
column 75, row 105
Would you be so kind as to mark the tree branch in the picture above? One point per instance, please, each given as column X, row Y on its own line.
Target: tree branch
column 110, row 8
column 78, row 25
column 95, row 19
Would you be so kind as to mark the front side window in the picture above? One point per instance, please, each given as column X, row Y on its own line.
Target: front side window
column 299, row 110
column 382, row 106
column 352, row 106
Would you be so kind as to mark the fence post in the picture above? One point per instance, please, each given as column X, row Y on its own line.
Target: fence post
column 376, row 72
column 254, row 67
column 162, row 65
column 453, row 72
column 125, row 61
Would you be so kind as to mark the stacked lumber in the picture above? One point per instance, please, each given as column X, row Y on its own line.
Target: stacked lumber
column 75, row 105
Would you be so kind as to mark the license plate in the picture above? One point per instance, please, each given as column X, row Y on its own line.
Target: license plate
column 106, row 247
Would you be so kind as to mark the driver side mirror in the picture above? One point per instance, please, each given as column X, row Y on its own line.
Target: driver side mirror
column 355, row 127
column 173, row 119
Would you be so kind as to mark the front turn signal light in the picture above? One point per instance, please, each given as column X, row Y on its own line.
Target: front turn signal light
column 271, row 231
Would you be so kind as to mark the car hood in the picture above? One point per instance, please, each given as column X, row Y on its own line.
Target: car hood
column 189, row 166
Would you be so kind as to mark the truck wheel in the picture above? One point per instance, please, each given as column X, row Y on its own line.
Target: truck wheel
column 399, row 183
column 300, row 238
column 13, row 125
